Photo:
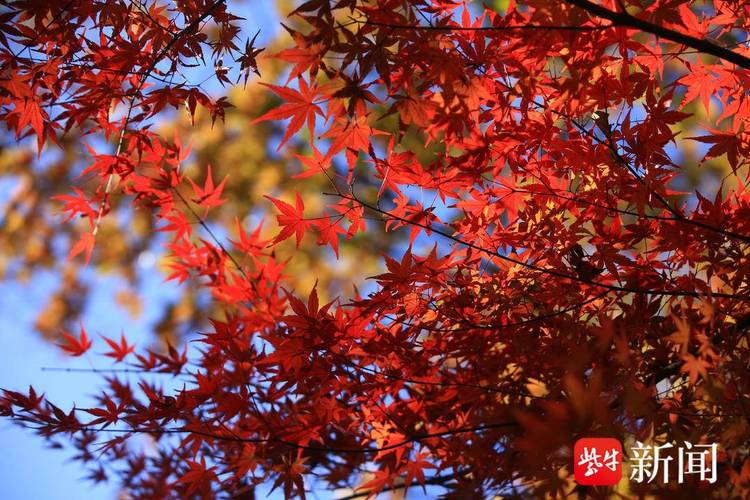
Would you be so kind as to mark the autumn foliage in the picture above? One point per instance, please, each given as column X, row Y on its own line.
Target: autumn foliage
column 566, row 187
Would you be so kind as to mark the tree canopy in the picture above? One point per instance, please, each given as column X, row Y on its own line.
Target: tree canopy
column 542, row 209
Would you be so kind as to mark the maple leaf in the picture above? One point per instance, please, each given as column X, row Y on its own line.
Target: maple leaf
column 249, row 244
column 682, row 336
column 695, row 367
column 300, row 106
column 415, row 469
column 247, row 59
column 208, row 196
column 291, row 219
column 76, row 205
column 303, row 58
column 199, row 477
column 700, row 82
column 722, row 143
column 354, row 135
column 119, row 351
column 415, row 109
column 329, row 229
column 106, row 165
column 85, row 244
column 29, row 113
column 75, row 346
column 305, row 55
column 291, row 478
column 110, row 414
column 315, row 165
column 375, row 485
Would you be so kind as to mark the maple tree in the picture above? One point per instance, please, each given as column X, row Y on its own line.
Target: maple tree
column 560, row 273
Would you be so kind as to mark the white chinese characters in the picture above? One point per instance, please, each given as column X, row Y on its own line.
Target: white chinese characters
column 647, row 461
column 692, row 460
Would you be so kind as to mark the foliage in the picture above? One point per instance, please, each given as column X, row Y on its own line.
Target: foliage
column 560, row 276
column 33, row 241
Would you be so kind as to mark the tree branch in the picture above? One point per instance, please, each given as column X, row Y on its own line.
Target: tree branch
column 437, row 480
column 626, row 20
column 326, row 449
column 545, row 270
column 517, row 27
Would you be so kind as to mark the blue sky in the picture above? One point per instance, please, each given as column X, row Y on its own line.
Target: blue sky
column 28, row 469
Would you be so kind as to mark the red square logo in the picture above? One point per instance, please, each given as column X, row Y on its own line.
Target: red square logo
column 597, row 461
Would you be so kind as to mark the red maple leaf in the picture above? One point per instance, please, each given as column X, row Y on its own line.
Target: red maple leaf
column 85, row 244
column 208, row 196
column 119, row 351
column 300, row 106
column 291, row 219
column 75, row 346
